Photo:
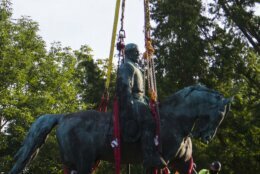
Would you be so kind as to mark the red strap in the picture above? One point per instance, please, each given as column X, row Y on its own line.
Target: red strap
column 116, row 142
column 155, row 115
column 66, row 170
column 191, row 166
column 166, row 170
column 103, row 104
column 153, row 108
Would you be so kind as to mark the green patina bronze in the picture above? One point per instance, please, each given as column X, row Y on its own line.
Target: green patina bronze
column 85, row 137
column 135, row 115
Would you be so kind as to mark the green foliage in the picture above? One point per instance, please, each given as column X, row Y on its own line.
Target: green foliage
column 239, row 16
column 34, row 81
column 90, row 75
column 179, row 46
column 217, row 50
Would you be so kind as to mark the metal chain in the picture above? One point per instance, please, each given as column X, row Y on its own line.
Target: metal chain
column 122, row 15
column 147, row 19
column 121, row 36
column 148, row 56
column 149, row 53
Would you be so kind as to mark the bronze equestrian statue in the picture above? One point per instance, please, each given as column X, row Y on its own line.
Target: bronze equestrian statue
column 85, row 137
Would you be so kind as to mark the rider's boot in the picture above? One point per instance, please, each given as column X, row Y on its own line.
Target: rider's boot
column 151, row 155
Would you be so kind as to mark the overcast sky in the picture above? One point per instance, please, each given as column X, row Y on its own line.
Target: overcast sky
column 78, row 22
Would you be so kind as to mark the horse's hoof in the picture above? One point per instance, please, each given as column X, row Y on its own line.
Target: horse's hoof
column 155, row 161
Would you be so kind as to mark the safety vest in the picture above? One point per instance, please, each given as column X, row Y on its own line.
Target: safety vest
column 204, row 171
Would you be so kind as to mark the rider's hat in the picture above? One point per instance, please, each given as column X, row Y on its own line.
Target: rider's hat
column 131, row 47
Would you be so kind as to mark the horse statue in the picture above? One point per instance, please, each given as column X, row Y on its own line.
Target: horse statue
column 85, row 137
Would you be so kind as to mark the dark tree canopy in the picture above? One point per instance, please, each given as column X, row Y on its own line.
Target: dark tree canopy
column 35, row 81
column 219, row 48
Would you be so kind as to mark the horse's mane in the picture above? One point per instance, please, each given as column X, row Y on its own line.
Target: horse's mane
column 185, row 92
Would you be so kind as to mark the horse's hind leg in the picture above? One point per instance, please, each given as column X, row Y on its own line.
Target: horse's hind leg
column 85, row 166
column 85, row 169
column 149, row 171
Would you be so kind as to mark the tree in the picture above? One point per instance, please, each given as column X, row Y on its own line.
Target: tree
column 15, row 61
column 240, row 16
column 214, row 49
column 35, row 82
column 180, row 49
column 91, row 76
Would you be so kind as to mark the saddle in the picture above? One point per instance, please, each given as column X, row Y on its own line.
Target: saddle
column 131, row 121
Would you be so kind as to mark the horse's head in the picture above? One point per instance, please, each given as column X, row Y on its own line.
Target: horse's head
column 197, row 110
column 211, row 109
column 193, row 111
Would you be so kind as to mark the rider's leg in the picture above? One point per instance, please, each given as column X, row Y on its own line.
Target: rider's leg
column 151, row 155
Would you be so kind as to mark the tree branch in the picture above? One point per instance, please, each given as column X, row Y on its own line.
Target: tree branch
column 2, row 125
column 247, row 32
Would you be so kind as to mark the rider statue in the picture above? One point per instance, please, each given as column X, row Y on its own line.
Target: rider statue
column 136, row 117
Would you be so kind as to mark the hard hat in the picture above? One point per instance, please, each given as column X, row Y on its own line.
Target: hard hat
column 215, row 166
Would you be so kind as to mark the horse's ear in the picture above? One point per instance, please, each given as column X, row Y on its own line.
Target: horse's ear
column 228, row 100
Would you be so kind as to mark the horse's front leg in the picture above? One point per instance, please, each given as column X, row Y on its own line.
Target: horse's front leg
column 157, row 171
column 148, row 171
column 153, row 171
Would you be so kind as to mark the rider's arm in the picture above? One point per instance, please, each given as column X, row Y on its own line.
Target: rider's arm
column 125, row 83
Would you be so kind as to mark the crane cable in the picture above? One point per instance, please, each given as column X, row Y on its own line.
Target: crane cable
column 148, row 54
column 150, row 75
column 116, row 142
column 111, row 54
column 121, row 36
column 105, row 97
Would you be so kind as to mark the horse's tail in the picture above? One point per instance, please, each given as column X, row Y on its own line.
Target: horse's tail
column 34, row 140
